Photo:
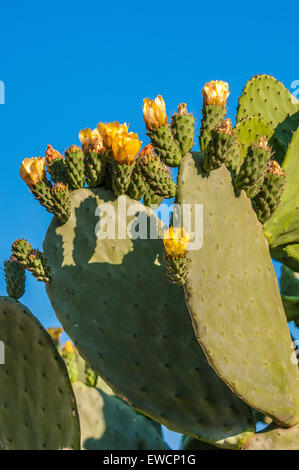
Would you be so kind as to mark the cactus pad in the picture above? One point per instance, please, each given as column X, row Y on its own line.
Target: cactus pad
column 233, row 296
column 108, row 423
column 126, row 319
column 274, row 438
column 249, row 131
column 37, row 405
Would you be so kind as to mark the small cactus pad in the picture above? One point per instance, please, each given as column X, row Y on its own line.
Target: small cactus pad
column 289, row 283
column 107, row 422
column 283, row 227
column 37, row 405
column 104, row 292
column 274, row 438
column 233, row 296
column 249, row 131
column 15, row 278
column 267, row 98
column 288, row 255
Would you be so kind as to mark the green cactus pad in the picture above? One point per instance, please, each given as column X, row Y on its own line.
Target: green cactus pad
column 74, row 163
column 42, row 192
column 15, row 278
column 267, row 98
column 95, row 168
column 108, row 423
column 165, row 145
column 62, row 202
column 189, row 443
column 268, row 199
column 252, row 172
column 274, row 438
column 158, row 176
column 37, row 405
column 183, row 131
column 233, row 296
column 283, row 227
column 291, row 307
column 121, row 177
column 289, row 283
column 70, row 360
column 249, row 131
column 212, row 116
column 127, row 320
column 57, row 171
column 151, row 199
column 219, row 145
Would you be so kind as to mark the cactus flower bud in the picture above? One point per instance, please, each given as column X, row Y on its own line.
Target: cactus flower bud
column 274, row 168
column 52, row 154
column 182, row 109
column 109, row 130
column 55, row 333
column 33, row 170
column 226, row 127
column 154, row 113
column 263, row 143
column 69, row 348
column 125, row 147
column 215, row 93
column 147, row 150
column 91, row 141
column 175, row 242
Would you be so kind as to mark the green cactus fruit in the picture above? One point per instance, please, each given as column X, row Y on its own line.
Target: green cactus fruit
column 288, row 255
column 121, row 177
column 109, row 423
column 266, row 201
column 177, row 269
column 233, row 297
column 138, row 185
column 21, row 249
column 283, row 226
column 42, row 191
column 222, row 139
column 70, row 359
column 14, row 277
column 212, row 116
column 249, row 131
column 289, row 283
column 125, row 329
column 267, row 98
column 233, row 159
column 55, row 165
column 74, row 163
column 95, row 168
column 151, row 199
column 37, row 405
column 62, row 202
column 182, row 126
column 38, row 265
column 157, row 176
column 274, row 438
column 165, row 145
column 90, row 376
column 252, row 172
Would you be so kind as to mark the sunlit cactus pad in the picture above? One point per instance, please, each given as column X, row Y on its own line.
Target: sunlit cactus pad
column 274, row 438
column 131, row 324
column 37, row 405
column 233, row 296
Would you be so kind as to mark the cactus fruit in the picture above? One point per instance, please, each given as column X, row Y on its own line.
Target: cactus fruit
column 283, row 227
column 267, row 98
column 182, row 126
column 15, row 278
column 120, row 177
column 138, row 186
column 266, row 201
column 274, row 438
column 38, row 409
column 55, row 165
column 252, row 172
column 69, row 356
column 148, row 336
column 227, row 298
column 151, row 199
column 109, row 423
column 175, row 244
column 74, row 162
column 156, row 173
column 95, row 168
column 249, row 131
column 33, row 260
column 222, row 139
column 62, row 202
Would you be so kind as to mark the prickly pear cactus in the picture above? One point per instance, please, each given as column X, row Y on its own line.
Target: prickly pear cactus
column 249, row 131
column 289, row 286
column 233, row 296
column 274, row 438
column 125, row 330
column 37, row 405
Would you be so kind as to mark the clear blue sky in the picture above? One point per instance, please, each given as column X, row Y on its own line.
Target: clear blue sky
column 68, row 65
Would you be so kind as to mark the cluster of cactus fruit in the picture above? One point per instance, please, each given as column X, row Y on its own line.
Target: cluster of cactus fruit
column 211, row 379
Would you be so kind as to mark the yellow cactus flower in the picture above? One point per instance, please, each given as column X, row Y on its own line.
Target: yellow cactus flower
column 109, row 130
column 274, row 168
column 147, row 150
column 216, row 93
column 55, row 333
column 52, row 154
column 154, row 113
column 126, row 147
column 182, row 109
column 175, row 242
column 91, row 140
column 33, row 170
column 69, row 348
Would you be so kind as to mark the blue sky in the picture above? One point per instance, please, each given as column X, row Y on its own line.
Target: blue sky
column 68, row 65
